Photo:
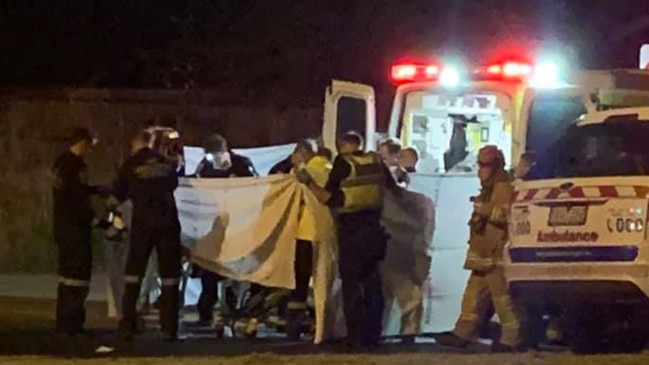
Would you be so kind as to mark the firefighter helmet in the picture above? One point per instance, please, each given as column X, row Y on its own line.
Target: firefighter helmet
column 491, row 155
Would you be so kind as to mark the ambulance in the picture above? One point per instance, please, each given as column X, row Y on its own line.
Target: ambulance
column 448, row 114
column 578, row 245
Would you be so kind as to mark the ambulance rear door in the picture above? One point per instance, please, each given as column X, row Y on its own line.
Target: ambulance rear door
column 348, row 107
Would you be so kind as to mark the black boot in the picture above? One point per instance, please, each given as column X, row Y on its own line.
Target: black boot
column 294, row 323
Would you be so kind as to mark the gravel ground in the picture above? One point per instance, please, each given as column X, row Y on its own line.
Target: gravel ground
column 26, row 338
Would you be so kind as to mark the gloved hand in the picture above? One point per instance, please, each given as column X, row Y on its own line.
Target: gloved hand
column 303, row 176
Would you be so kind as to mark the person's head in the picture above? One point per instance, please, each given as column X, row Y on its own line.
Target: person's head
column 304, row 151
column 408, row 158
column 350, row 142
column 82, row 141
column 217, row 152
column 216, row 143
column 326, row 153
column 144, row 139
column 490, row 161
column 389, row 151
column 525, row 164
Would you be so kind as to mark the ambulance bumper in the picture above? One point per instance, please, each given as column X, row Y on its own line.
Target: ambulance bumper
column 602, row 283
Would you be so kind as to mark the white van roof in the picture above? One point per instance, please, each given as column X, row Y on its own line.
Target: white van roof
column 640, row 113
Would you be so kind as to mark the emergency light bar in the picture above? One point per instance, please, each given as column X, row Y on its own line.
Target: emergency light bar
column 505, row 71
column 541, row 75
column 414, row 72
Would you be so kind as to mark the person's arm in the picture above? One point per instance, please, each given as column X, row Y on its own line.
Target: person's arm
column 332, row 194
column 496, row 210
column 390, row 183
column 121, row 184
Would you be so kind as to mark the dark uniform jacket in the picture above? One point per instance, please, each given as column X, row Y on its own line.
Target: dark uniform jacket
column 71, row 192
column 241, row 167
column 149, row 180
column 282, row 167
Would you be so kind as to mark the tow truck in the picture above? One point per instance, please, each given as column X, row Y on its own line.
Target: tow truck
column 579, row 246
column 516, row 105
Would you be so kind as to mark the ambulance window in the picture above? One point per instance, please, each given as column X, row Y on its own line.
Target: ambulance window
column 351, row 116
column 448, row 129
column 606, row 149
column 549, row 119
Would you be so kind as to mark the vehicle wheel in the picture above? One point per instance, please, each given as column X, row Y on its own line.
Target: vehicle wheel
column 533, row 327
column 629, row 333
column 585, row 331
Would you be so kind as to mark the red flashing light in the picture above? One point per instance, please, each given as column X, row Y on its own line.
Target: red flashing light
column 414, row 72
column 506, row 70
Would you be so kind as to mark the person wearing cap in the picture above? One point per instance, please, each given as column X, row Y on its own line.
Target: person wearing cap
column 354, row 191
column 488, row 235
column 73, row 217
column 149, row 179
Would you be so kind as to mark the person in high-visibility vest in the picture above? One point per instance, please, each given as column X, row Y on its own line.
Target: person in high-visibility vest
column 488, row 235
column 355, row 191
column 305, row 156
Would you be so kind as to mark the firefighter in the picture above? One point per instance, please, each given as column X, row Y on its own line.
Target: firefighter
column 149, row 180
column 219, row 162
column 305, row 156
column 355, row 191
column 73, row 218
column 487, row 284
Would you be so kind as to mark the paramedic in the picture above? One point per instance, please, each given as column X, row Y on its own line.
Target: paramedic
column 149, row 180
column 355, row 191
column 73, row 218
column 524, row 166
column 389, row 152
column 488, row 234
column 219, row 162
column 407, row 159
column 305, row 156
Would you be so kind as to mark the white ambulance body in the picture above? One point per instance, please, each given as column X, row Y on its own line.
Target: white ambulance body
column 579, row 244
column 509, row 104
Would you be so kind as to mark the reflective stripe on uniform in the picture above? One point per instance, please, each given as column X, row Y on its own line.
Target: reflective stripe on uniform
column 131, row 279
column 169, row 282
column 469, row 317
column 74, row 282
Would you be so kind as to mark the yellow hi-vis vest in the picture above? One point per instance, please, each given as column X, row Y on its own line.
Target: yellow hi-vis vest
column 365, row 186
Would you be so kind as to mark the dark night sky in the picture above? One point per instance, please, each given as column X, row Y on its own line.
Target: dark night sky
column 278, row 49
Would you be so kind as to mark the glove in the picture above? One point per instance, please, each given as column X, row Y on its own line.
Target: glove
column 303, row 176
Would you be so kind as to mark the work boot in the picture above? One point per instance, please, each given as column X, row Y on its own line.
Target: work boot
column 502, row 348
column 452, row 340
column 294, row 322
column 168, row 336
